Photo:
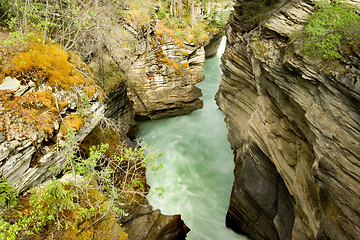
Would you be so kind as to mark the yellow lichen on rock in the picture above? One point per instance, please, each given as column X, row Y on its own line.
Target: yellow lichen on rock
column 171, row 63
column 72, row 122
column 38, row 108
column 185, row 64
column 48, row 63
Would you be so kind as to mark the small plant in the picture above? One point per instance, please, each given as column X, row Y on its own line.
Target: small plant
column 84, row 106
column 8, row 195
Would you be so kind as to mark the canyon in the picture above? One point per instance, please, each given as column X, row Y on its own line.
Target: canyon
column 292, row 120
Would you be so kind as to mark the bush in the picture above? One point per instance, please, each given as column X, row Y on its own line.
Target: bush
column 96, row 188
column 332, row 26
column 8, row 195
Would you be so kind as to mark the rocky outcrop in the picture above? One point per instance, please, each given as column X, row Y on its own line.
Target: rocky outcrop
column 211, row 45
column 41, row 99
column 153, row 224
column 160, row 71
column 293, row 123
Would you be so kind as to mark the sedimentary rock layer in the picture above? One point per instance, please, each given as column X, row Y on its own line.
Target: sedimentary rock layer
column 293, row 123
column 161, row 73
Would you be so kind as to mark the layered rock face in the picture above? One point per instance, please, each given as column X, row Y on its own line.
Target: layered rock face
column 145, row 223
column 39, row 104
column 293, row 123
column 161, row 73
column 211, row 45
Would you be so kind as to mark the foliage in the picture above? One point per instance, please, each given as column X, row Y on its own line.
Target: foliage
column 96, row 188
column 181, row 19
column 332, row 26
column 8, row 195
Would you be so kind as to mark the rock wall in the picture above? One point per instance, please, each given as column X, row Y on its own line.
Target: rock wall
column 293, row 123
column 41, row 99
column 145, row 223
column 211, row 45
column 160, row 71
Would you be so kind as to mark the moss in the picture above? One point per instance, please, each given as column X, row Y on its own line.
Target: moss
column 184, row 52
column 185, row 64
column 73, row 121
column 45, row 63
column 38, row 108
column 49, row 63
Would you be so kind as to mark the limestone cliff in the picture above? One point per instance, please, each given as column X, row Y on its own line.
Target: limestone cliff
column 293, row 123
column 160, row 71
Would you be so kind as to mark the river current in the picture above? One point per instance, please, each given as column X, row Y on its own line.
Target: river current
column 197, row 174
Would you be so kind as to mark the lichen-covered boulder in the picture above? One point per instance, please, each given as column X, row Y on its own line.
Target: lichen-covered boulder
column 44, row 93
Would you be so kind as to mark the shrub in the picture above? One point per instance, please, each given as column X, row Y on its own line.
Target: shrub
column 8, row 195
column 98, row 190
column 333, row 25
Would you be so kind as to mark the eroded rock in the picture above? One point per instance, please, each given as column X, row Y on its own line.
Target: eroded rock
column 292, row 122
column 153, row 224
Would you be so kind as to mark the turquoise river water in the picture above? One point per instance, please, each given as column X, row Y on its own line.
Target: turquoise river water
column 197, row 174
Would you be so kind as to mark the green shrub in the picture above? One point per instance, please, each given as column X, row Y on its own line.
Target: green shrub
column 8, row 195
column 332, row 26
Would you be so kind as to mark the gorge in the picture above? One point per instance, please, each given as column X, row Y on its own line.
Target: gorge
column 197, row 162
column 291, row 113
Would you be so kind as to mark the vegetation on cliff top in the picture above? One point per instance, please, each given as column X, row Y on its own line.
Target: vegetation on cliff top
column 44, row 70
column 333, row 29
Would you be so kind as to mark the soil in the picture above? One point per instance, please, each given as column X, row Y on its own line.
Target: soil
column 3, row 34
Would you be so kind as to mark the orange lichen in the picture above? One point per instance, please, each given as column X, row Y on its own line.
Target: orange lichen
column 179, row 42
column 184, row 52
column 2, row 76
column 159, row 32
column 162, row 29
column 90, row 91
column 73, row 121
column 37, row 108
column 46, row 63
column 203, row 37
column 185, row 64
column 62, row 104
column 171, row 63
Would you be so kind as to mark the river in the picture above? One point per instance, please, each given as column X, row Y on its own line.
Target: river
column 197, row 174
